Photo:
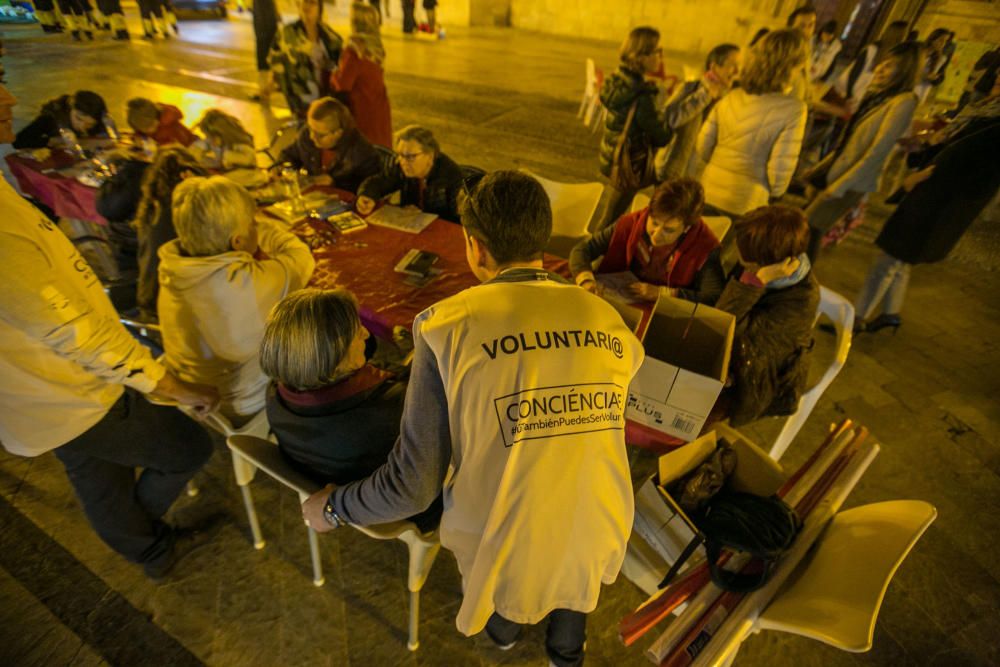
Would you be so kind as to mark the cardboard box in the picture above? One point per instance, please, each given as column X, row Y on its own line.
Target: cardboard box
column 659, row 532
column 688, row 347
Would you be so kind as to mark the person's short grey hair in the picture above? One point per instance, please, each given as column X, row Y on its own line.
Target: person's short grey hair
column 307, row 336
column 208, row 212
column 419, row 134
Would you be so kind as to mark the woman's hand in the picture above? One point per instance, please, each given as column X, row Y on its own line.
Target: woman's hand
column 643, row 291
column 772, row 272
column 365, row 205
column 917, row 177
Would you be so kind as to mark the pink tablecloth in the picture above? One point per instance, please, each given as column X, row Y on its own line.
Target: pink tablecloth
column 363, row 263
column 68, row 197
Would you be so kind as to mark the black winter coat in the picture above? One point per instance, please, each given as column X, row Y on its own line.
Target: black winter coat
column 356, row 159
column 54, row 116
column 772, row 346
column 618, row 93
column 440, row 190
column 932, row 217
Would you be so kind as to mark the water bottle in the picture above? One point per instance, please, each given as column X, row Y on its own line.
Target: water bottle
column 111, row 128
column 71, row 144
column 290, row 178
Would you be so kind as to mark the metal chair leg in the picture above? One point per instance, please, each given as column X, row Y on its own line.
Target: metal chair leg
column 413, row 643
column 318, row 579
column 258, row 539
column 192, row 489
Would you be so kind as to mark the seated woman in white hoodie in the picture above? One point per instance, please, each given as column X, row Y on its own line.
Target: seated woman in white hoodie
column 216, row 290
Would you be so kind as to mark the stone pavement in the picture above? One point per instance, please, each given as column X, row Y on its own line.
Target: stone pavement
column 495, row 98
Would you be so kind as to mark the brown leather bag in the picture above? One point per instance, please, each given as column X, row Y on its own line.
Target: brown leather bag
column 632, row 165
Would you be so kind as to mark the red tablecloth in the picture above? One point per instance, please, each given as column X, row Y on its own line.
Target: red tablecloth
column 363, row 262
column 68, row 197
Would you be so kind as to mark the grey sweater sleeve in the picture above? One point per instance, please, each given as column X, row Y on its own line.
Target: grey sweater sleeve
column 585, row 252
column 414, row 474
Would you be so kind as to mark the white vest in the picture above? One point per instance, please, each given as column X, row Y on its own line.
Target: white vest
column 539, row 507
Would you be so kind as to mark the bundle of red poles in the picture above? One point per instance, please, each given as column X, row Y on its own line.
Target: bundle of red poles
column 710, row 608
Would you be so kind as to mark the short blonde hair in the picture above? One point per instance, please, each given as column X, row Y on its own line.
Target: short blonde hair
column 307, row 336
column 640, row 42
column 364, row 18
column 419, row 134
column 772, row 61
column 208, row 212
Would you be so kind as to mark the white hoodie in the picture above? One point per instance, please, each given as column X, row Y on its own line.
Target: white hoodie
column 212, row 311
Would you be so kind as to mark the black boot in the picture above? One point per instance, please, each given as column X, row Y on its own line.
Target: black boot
column 883, row 321
column 122, row 35
column 76, row 36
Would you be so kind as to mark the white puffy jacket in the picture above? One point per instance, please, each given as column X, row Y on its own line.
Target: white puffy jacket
column 748, row 149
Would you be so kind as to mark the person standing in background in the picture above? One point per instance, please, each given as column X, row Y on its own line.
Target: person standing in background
column 803, row 19
column 825, row 49
column 689, row 107
column 359, row 76
column 430, row 7
column 409, row 18
column 265, row 25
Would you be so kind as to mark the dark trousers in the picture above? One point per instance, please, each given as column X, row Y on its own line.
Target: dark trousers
column 616, row 204
column 564, row 635
column 409, row 20
column 265, row 25
column 109, row 7
column 101, row 463
column 150, row 8
column 74, row 7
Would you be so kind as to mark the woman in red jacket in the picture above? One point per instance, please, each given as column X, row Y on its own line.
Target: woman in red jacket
column 360, row 77
column 666, row 246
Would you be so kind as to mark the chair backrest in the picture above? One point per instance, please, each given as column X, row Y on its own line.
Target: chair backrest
column 256, row 426
column 719, row 224
column 386, row 156
column 590, row 84
column 471, row 175
column 841, row 312
column 863, row 546
column 690, row 73
column 573, row 205
column 640, row 201
column 265, row 456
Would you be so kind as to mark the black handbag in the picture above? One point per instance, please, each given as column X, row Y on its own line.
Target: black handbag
column 632, row 165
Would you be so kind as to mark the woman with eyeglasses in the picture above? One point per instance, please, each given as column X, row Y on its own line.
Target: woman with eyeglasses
column 424, row 176
column 666, row 245
column 627, row 94
column 331, row 149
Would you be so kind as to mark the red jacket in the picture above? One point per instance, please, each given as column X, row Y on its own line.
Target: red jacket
column 171, row 130
column 630, row 231
column 363, row 82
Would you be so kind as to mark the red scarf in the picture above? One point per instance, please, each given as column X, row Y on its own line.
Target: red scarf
column 365, row 379
column 630, row 243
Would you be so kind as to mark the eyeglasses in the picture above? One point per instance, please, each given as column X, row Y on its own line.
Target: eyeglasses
column 408, row 157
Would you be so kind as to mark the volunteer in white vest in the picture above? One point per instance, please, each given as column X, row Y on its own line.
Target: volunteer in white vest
column 518, row 390
column 70, row 383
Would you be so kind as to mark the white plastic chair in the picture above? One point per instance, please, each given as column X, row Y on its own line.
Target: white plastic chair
column 719, row 224
column 590, row 92
column 863, row 547
column 841, row 312
column 690, row 73
column 252, row 453
column 573, row 205
column 639, row 202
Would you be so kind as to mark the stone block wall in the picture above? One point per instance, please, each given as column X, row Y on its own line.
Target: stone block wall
column 692, row 26
column 974, row 21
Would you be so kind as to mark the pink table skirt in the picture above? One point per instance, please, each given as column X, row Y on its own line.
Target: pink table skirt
column 68, row 197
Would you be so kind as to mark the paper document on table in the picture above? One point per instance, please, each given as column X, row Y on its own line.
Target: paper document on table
column 616, row 285
column 408, row 219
